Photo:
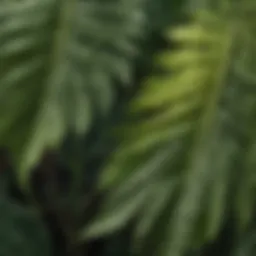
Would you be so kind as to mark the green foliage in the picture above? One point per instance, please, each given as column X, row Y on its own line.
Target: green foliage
column 246, row 244
column 58, row 61
column 185, row 162
column 22, row 232
column 173, row 169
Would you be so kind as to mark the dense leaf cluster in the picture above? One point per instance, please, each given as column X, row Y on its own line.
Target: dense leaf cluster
column 167, row 124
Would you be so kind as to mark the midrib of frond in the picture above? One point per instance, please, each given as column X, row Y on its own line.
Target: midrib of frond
column 53, row 83
column 60, row 43
column 184, row 218
column 209, row 113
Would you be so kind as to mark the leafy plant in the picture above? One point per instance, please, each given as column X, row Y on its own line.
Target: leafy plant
column 173, row 168
column 71, row 51
column 184, row 164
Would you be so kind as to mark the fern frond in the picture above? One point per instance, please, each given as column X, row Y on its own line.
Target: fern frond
column 184, row 95
column 58, row 56
column 187, row 95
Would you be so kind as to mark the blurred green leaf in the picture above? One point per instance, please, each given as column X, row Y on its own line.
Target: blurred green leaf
column 189, row 93
column 58, row 59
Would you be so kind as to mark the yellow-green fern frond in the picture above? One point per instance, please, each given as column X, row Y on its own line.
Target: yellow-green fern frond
column 185, row 98
column 170, row 160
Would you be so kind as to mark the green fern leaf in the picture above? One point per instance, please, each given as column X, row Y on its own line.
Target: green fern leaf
column 188, row 95
column 217, row 200
column 160, row 194
column 57, row 61
column 176, row 103
column 123, row 201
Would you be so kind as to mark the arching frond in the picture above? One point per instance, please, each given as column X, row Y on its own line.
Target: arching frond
column 177, row 116
column 57, row 61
